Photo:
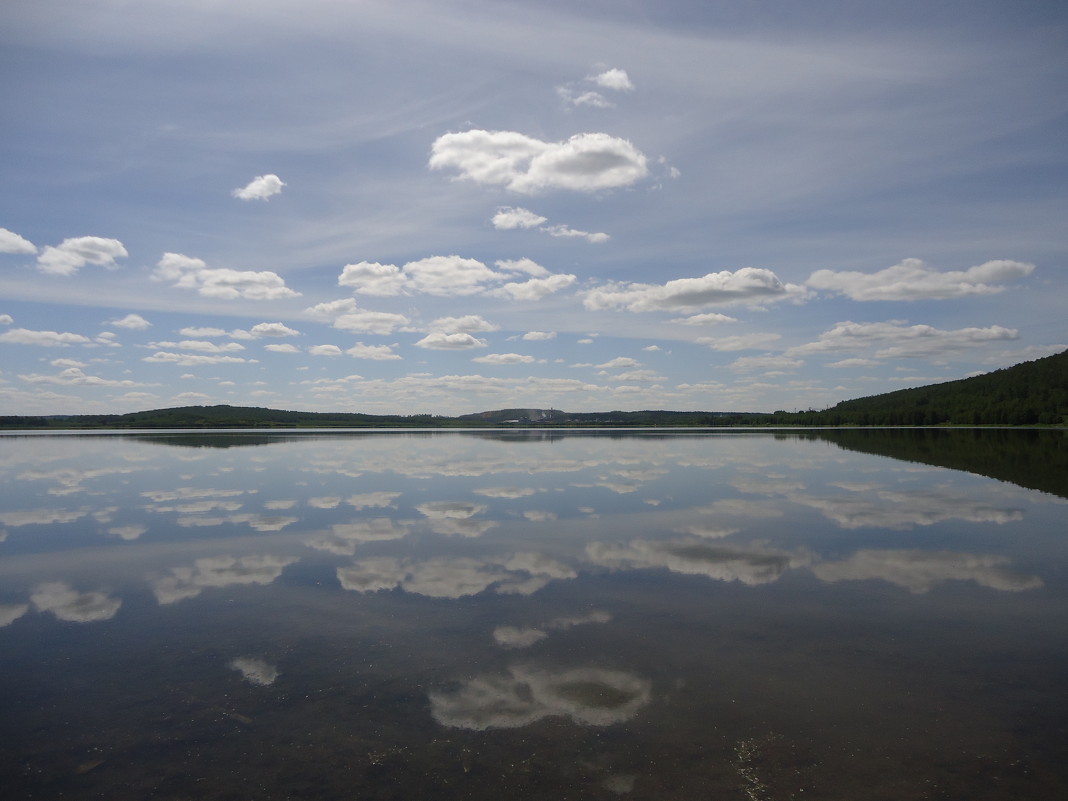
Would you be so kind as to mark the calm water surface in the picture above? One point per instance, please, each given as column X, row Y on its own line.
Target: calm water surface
column 668, row 615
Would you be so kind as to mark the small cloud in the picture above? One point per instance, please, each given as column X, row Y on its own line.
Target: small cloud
column 262, row 187
column 442, row 341
column 273, row 330
column 565, row 231
column 587, row 162
column 911, row 279
column 503, row 358
column 132, row 321
column 509, row 218
column 71, row 255
column 373, row 352
column 10, row 242
column 539, row 336
column 223, row 283
column 615, row 79
column 6, row 319
column 255, row 671
column 468, row 324
column 704, row 319
column 49, row 339
column 286, row 348
column 324, row 350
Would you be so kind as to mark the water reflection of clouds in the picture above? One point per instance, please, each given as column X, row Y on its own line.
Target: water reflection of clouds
column 587, row 696
column 454, row 577
column 514, row 637
column 66, row 603
column 750, row 565
column 345, row 537
column 369, row 500
column 258, row 522
column 255, row 671
column 919, row 571
column 218, row 571
column 9, row 613
column 903, row 510
column 70, row 480
column 42, row 517
column 455, row 518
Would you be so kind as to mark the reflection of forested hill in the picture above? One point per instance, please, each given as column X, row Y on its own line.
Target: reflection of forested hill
column 1036, row 459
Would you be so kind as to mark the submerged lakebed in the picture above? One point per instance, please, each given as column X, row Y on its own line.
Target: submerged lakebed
column 652, row 614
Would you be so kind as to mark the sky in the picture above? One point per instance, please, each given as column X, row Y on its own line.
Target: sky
column 408, row 207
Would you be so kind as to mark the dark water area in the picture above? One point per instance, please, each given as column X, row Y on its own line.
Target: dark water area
column 532, row 614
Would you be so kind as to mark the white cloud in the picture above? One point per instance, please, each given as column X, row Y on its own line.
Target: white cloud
column 468, row 324
column 911, row 279
column 10, row 242
column 509, row 218
column 539, row 336
column 194, row 331
column 262, row 187
column 535, row 288
column 448, row 275
column 749, row 285
column 190, row 360
column 586, row 162
column 372, row 352
column 372, row 278
column 614, row 79
column 50, row 339
column 201, row 345
column 772, row 364
column 742, row 342
column 286, row 348
column 896, row 339
column 76, row 377
column 324, row 350
column 442, row 341
column 6, row 319
column 566, row 232
column 273, row 330
column 134, row 322
column 368, row 322
column 71, row 255
column 224, row 283
column 619, row 362
column 711, row 318
column 527, row 266
column 504, row 358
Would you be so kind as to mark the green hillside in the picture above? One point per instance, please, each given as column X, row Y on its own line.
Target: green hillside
column 1031, row 393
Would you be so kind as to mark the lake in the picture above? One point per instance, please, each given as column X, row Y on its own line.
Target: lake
column 543, row 614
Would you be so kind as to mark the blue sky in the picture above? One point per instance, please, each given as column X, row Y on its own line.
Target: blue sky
column 447, row 207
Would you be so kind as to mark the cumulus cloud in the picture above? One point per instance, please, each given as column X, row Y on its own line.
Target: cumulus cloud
column 504, row 358
column 48, row 339
column 372, row 278
column 191, row 360
column 10, row 242
column 614, row 79
column 711, row 318
column 467, row 324
column 134, row 322
column 373, row 352
column 749, row 285
column 286, row 348
column 911, row 279
column 201, row 345
column 192, row 273
column 441, row 341
column 509, row 218
column 896, row 339
column 262, row 187
column 273, row 330
column 324, row 350
column 586, row 162
column 539, row 336
column 71, row 255
column 534, row 288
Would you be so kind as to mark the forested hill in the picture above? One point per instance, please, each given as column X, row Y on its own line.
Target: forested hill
column 1031, row 393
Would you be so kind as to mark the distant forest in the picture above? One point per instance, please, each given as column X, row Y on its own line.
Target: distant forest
column 1032, row 393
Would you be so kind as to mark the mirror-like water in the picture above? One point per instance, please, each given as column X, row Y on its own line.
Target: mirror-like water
column 647, row 615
